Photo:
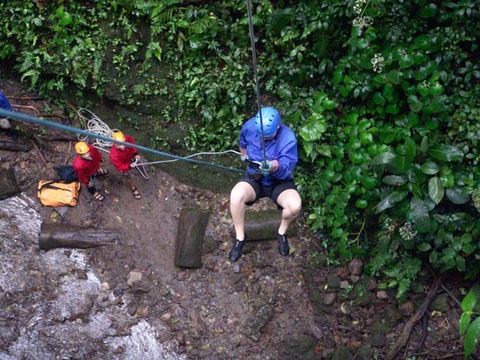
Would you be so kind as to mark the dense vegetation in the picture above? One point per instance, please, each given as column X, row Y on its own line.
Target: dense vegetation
column 383, row 97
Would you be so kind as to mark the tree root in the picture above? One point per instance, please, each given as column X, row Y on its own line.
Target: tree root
column 407, row 329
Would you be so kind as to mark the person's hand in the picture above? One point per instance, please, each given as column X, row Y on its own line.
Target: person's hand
column 135, row 161
column 273, row 166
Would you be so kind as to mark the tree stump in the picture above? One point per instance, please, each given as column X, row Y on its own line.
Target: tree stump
column 263, row 225
column 191, row 232
column 69, row 236
column 8, row 184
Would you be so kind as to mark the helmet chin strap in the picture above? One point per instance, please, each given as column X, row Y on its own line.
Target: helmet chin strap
column 257, row 85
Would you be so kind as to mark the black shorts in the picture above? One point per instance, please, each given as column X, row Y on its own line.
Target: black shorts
column 272, row 191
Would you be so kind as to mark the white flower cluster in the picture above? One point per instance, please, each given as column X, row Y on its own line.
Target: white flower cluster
column 389, row 225
column 407, row 232
column 363, row 22
column 476, row 198
column 378, row 63
column 358, row 6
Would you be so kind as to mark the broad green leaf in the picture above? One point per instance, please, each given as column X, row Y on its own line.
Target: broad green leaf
column 435, row 190
column 394, row 77
column 469, row 301
column 406, row 61
column 314, row 129
column 390, row 200
column 378, row 99
column 445, row 152
column 430, row 168
column 464, row 322
column 472, row 336
column 410, row 149
column 394, row 180
column 388, row 92
column 329, row 104
column 420, row 215
column 457, row 196
column 414, row 103
column 385, row 158
column 325, row 150
column 424, row 246
column 429, row 10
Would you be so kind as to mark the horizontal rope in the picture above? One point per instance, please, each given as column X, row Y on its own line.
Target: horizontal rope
column 13, row 115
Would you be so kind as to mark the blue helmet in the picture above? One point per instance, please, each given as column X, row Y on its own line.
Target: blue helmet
column 270, row 119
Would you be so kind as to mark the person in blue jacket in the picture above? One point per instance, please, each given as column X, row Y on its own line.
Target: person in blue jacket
column 4, row 104
column 275, row 181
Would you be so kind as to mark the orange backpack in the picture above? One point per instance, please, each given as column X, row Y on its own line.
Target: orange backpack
column 58, row 193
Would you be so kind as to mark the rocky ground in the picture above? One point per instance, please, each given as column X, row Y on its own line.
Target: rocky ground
column 129, row 301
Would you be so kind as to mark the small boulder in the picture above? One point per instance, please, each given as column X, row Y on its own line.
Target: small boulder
column 441, row 303
column 134, row 277
column 382, row 295
column 355, row 267
column 329, row 298
column 378, row 340
column 334, row 281
column 354, row 278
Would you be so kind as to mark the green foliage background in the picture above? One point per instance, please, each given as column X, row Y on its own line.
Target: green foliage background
column 383, row 96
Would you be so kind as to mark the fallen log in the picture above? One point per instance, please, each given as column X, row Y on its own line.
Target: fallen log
column 8, row 183
column 263, row 225
column 70, row 236
column 14, row 146
column 191, row 232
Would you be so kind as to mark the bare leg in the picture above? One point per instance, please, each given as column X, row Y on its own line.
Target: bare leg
column 241, row 193
column 291, row 203
column 132, row 187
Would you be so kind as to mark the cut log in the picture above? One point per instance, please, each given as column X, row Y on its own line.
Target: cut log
column 69, row 236
column 8, row 184
column 263, row 225
column 14, row 146
column 191, row 232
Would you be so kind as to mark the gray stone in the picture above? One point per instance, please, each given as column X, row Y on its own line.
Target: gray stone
column 378, row 340
column 407, row 308
column 370, row 284
column 236, row 268
column 382, row 295
column 441, row 303
column 355, row 267
column 133, row 277
column 333, row 282
column 354, row 278
column 329, row 298
column 253, row 324
column 342, row 353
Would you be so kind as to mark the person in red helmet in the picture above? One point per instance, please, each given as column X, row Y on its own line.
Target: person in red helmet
column 87, row 165
column 124, row 158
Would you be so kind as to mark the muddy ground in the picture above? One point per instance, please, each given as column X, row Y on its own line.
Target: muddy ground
column 129, row 301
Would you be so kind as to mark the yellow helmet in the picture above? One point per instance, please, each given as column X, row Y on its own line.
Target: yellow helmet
column 118, row 135
column 81, row 147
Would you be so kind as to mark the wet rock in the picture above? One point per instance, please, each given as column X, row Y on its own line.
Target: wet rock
column 382, row 295
column 334, row 281
column 236, row 268
column 355, row 267
column 365, row 353
column 302, row 347
column 441, row 303
column 253, row 324
column 133, row 277
column 329, row 298
column 354, row 278
column 344, row 284
column 81, row 274
column 370, row 284
column 342, row 353
column 141, row 312
column 314, row 330
column 407, row 309
column 378, row 340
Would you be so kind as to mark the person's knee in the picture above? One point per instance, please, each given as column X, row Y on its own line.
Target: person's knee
column 237, row 197
column 294, row 206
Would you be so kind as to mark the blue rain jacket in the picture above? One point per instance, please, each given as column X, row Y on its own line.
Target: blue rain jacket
column 4, row 103
column 282, row 148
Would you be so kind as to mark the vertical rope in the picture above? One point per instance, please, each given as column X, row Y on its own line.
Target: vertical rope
column 255, row 72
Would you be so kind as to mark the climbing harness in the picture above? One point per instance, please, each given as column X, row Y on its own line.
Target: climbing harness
column 257, row 85
column 85, row 133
